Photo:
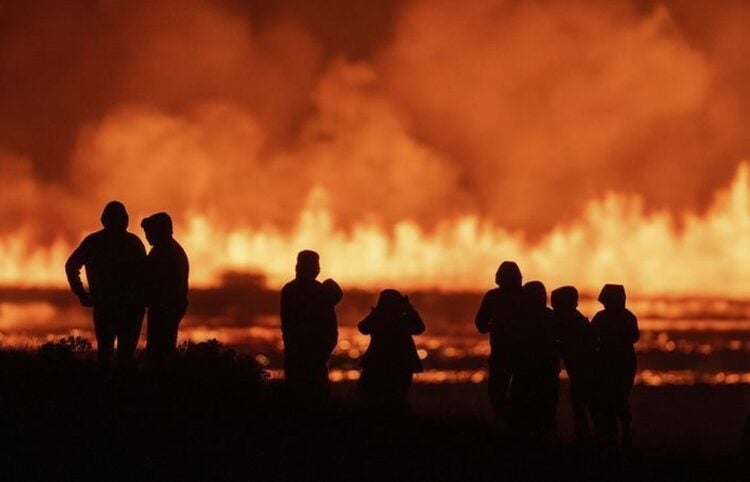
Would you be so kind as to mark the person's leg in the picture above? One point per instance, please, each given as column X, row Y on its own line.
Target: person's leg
column 155, row 336
column 104, row 329
column 550, row 397
column 579, row 400
column 497, row 389
column 623, row 409
column 161, row 334
column 129, row 330
column 321, row 385
column 394, row 387
column 172, row 330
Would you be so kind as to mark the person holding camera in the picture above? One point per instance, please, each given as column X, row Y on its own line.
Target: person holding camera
column 391, row 360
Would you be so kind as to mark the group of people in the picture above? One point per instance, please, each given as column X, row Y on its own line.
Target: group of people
column 310, row 332
column 124, row 282
column 528, row 340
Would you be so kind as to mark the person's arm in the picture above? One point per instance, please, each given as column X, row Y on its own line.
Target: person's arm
column 332, row 338
column 595, row 328
column 332, row 291
column 634, row 332
column 285, row 311
column 367, row 325
column 184, row 276
column 483, row 320
column 73, row 266
column 414, row 321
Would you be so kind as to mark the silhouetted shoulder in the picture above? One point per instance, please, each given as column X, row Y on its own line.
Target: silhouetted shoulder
column 632, row 323
column 618, row 327
column 580, row 319
column 136, row 242
column 179, row 252
column 93, row 239
column 492, row 294
column 483, row 319
column 332, row 291
column 287, row 287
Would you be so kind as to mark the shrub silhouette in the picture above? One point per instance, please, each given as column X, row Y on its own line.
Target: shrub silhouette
column 212, row 359
column 65, row 348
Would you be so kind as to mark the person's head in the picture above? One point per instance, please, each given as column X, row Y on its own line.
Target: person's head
column 565, row 298
column 114, row 216
column 158, row 228
column 391, row 301
column 534, row 294
column 308, row 264
column 612, row 297
column 508, row 275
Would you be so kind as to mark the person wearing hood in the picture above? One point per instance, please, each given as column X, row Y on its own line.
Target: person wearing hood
column 616, row 331
column 309, row 328
column 167, row 270
column 500, row 309
column 535, row 366
column 576, row 342
column 391, row 359
column 114, row 262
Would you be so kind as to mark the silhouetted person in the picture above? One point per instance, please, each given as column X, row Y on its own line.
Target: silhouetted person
column 535, row 366
column 576, row 344
column 309, row 327
column 166, row 284
column 616, row 330
column 391, row 359
column 114, row 262
column 500, row 308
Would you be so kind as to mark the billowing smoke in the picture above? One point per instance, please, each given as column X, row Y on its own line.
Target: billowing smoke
column 521, row 112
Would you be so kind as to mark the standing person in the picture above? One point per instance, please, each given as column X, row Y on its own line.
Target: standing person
column 309, row 328
column 391, row 360
column 576, row 340
column 616, row 330
column 167, row 270
column 500, row 308
column 535, row 366
column 114, row 262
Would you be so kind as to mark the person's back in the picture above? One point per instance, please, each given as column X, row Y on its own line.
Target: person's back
column 309, row 327
column 616, row 331
column 308, row 319
column 391, row 358
column 577, row 349
column 167, row 271
column 499, row 310
column 533, row 337
column 534, row 364
column 114, row 262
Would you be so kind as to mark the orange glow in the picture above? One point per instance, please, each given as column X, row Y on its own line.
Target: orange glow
column 614, row 240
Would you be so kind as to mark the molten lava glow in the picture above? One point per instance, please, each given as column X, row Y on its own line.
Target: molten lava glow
column 614, row 240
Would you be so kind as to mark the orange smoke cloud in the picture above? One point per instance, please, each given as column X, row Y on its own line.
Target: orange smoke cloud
column 495, row 130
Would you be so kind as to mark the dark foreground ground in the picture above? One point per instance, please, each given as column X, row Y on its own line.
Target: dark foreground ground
column 212, row 416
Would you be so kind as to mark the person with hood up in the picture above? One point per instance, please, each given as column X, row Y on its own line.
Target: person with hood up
column 167, row 270
column 535, row 366
column 500, row 308
column 616, row 331
column 114, row 262
column 576, row 345
column 391, row 360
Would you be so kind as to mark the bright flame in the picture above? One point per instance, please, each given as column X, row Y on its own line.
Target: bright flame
column 614, row 240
